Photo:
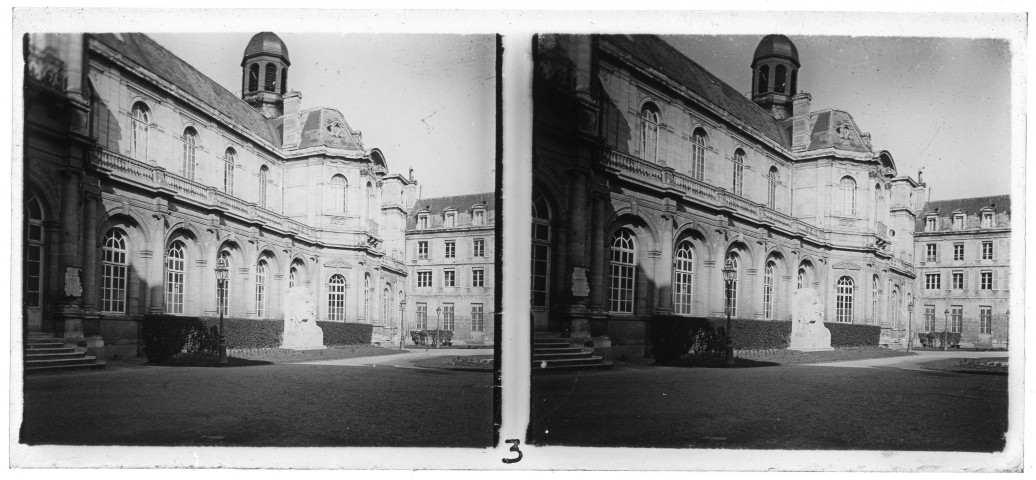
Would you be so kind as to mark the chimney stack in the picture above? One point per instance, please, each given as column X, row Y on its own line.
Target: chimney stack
column 800, row 122
column 292, row 127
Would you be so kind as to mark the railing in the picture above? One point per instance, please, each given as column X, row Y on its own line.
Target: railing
column 633, row 165
column 156, row 177
column 902, row 264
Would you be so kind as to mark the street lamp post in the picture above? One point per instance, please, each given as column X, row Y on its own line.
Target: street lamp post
column 946, row 329
column 221, row 279
column 438, row 310
column 729, row 275
column 910, row 323
column 402, row 321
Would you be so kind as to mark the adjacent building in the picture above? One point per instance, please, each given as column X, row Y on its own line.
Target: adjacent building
column 963, row 252
column 650, row 174
column 140, row 172
column 450, row 244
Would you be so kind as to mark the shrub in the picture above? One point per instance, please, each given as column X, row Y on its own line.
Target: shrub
column 167, row 335
column 427, row 337
column 673, row 335
column 757, row 334
column 339, row 333
column 936, row 339
column 248, row 332
column 851, row 335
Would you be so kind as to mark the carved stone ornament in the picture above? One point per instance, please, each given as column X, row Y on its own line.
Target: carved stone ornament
column 846, row 265
column 339, row 220
column 300, row 321
column 73, row 286
column 336, row 130
column 845, row 131
column 808, row 332
column 846, row 222
column 338, row 263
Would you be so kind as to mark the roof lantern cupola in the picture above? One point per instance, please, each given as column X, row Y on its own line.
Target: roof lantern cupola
column 264, row 74
column 775, row 68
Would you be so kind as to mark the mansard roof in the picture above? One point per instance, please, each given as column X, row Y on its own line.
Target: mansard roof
column 149, row 55
column 435, row 207
column 323, row 127
column 835, row 129
column 971, row 206
column 658, row 55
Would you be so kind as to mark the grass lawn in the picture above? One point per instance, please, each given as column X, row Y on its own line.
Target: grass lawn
column 472, row 362
column 266, row 356
column 769, row 358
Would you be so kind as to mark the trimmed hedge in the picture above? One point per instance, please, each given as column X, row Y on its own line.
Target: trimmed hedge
column 427, row 337
column 249, row 332
column 339, row 333
column 168, row 335
column 936, row 339
column 852, row 335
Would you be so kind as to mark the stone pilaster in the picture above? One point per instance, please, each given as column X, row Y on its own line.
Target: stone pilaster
column 664, row 268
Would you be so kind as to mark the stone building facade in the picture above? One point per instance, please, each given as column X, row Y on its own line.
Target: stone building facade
column 450, row 242
column 140, row 171
column 963, row 252
column 649, row 173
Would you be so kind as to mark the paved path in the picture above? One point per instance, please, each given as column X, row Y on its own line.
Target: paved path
column 404, row 360
column 907, row 362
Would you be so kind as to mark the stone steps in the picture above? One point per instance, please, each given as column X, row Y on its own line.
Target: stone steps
column 44, row 353
column 550, row 352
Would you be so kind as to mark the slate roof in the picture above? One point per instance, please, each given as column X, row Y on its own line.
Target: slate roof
column 317, row 127
column 971, row 206
column 825, row 132
column 266, row 43
column 151, row 56
column 463, row 203
column 664, row 58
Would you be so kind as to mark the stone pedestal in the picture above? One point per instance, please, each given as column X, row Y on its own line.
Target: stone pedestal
column 300, row 321
column 808, row 332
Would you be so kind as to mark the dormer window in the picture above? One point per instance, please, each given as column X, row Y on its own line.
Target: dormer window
column 422, row 221
column 478, row 217
column 449, row 219
column 929, row 224
column 958, row 221
column 987, row 219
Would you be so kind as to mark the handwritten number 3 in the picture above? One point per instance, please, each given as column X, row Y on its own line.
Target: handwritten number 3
column 514, row 448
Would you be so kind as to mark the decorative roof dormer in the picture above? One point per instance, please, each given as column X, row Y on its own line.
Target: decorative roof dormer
column 264, row 74
column 775, row 68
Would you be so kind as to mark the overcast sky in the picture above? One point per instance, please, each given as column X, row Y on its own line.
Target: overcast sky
column 426, row 101
column 942, row 104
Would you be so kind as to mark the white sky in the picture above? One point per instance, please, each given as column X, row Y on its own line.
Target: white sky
column 942, row 104
column 427, row 101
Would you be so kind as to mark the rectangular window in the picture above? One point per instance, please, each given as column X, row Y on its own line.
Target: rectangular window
column 929, row 224
column 478, row 277
column 929, row 318
column 986, row 282
column 449, row 278
column 447, row 316
column 931, row 252
column 422, row 221
column 451, row 249
column 987, row 219
column 958, row 222
column 958, row 280
column 477, row 322
column 424, row 279
column 956, row 318
column 987, row 250
column 450, row 220
column 932, row 281
column 480, row 217
column 958, row 251
column 478, row 248
column 422, row 316
column 422, row 250
column 985, row 319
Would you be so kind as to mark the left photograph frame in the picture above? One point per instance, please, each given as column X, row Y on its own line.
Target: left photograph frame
column 205, row 259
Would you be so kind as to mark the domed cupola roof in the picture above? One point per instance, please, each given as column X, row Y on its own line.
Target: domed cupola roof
column 776, row 46
column 267, row 43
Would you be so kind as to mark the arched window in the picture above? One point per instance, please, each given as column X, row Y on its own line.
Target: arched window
column 649, row 132
column 540, row 252
column 874, row 300
column 229, row 161
column 190, row 145
column 141, row 130
column 370, row 202
column 771, row 191
column 894, row 311
column 253, row 77
column 739, row 172
column 623, row 272
column 260, row 288
column 847, row 194
column 33, row 296
column 367, row 294
column 113, row 272
column 336, row 298
column 780, row 76
column 175, row 269
column 769, row 307
column 223, row 291
column 339, row 193
column 731, row 289
column 293, row 273
column 264, row 180
column 270, row 80
column 698, row 146
column 844, row 300
column 800, row 281
column 284, row 80
column 764, row 79
column 386, row 307
column 683, row 281
column 794, row 81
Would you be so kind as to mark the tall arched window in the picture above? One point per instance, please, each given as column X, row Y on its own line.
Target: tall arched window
column 33, row 296
column 113, row 272
column 771, row 191
column 293, row 273
column 141, row 130
column 698, row 146
column 190, row 145
column 764, row 79
column 769, row 307
column 270, row 80
column 264, row 180
column 175, row 269
column 739, row 172
column 336, row 298
column 386, row 307
column 844, row 300
column 260, row 288
column 847, row 192
column 731, row 289
column 223, row 291
column 649, row 132
column 894, row 311
column 229, row 161
column 800, row 280
column 367, row 293
column 339, row 193
column 780, row 76
column 253, row 77
column 284, row 80
column 623, row 272
column 874, row 300
column 683, row 281
column 540, row 272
